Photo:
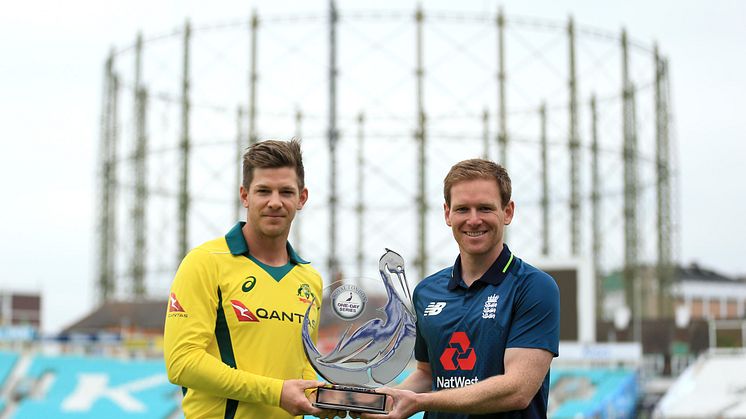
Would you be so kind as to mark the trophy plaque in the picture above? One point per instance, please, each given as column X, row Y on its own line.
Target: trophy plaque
column 375, row 324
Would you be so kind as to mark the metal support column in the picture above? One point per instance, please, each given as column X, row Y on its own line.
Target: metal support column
column 574, row 145
column 502, row 133
column 663, row 190
column 596, row 209
column 360, row 207
column 332, row 263
column 631, row 276
column 544, row 182
column 184, row 146
column 239, row 163
column 421, row 261
column 252, row 78
column 485, row 134
column 297, row 229
column 107, row 211
column 137, row 264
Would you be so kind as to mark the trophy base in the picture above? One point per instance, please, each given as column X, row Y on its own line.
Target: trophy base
column 351, row 399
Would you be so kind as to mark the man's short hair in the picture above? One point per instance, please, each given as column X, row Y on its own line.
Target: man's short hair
column 270, row 154
column 478, row 169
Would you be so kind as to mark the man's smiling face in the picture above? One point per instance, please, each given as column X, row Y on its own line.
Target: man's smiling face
column 477, row 217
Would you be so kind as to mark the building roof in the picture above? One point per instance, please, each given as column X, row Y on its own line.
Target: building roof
column 146, row 316
column 694, row 272
column 614, row 281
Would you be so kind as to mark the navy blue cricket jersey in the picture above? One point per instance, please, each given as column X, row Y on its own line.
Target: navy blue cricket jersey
column 463, row 332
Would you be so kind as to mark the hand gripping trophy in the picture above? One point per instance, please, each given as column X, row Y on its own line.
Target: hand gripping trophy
column 377, row 342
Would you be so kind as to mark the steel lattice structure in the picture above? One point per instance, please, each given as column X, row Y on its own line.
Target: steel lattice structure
column 385, row 103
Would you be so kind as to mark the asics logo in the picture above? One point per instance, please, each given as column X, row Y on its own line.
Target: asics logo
column 434, row 308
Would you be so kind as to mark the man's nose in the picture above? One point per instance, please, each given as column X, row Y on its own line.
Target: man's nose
column 473, row 217
column 274, row 200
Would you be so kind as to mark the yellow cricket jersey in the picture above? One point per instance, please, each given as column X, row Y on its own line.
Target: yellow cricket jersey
column 233, row 329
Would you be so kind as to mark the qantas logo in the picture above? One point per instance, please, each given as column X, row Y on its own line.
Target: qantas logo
column 173, row 304
column 242, row 313
column 459, row 355
column 434, row 308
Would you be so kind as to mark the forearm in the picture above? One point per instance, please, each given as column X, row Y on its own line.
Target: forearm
column 495, row 394
column 198, row 370
column 419, row 381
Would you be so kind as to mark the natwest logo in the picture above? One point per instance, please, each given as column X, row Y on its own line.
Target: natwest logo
column 459, row 355
column 243, row 314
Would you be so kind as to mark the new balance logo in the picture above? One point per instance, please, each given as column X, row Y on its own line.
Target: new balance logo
column 434, row 308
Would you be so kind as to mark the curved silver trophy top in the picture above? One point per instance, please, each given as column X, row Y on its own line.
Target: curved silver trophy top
column 375, row 352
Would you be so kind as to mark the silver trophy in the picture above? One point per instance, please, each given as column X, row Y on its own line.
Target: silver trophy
column 377, row 342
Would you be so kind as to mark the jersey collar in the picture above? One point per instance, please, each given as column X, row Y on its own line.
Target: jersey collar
column 494, row 275
column 237, row 244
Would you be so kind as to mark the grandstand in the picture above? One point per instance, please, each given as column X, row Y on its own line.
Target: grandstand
column 38, row 385
column 79, row 386
column 713, row 387
column 595, row 380
column 593, row 393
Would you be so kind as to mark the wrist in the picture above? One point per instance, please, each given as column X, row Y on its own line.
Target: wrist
column 424, row 401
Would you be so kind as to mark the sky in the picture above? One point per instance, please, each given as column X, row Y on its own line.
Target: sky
column 51, row 60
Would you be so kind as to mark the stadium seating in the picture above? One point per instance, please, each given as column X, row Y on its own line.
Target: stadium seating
column 592, row 393
column 46, row 386
column 83, row 387
column 711, row 387
column 7, row 362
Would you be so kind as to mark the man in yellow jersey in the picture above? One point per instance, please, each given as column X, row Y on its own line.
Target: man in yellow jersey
column 233, row 325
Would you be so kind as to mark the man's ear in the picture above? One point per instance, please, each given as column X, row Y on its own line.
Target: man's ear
column 303, row 199
column 244, row 196
column 447, row 214
column 509, row 212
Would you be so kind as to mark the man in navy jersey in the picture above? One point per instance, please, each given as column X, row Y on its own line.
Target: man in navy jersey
column 488, row 326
